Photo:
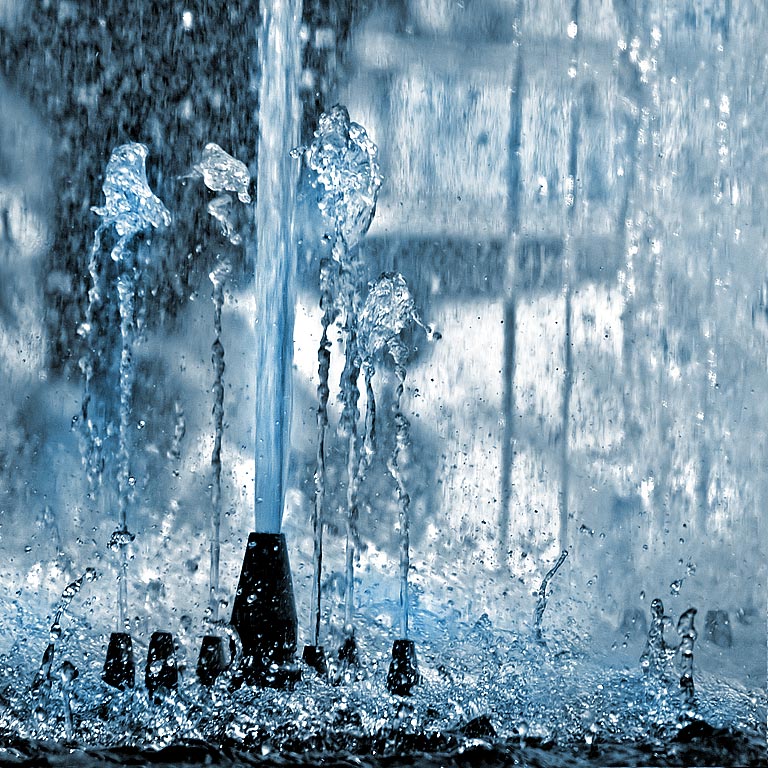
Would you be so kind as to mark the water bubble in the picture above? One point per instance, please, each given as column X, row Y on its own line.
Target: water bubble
column 674, row 587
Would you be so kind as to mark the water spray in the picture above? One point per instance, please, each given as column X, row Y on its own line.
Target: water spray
column 346, row 174
column 314, row 653
column 688, row 636
column 221, row 173
column 264, row 608
column 388, row 311
column 132, row 209
column 43, row 681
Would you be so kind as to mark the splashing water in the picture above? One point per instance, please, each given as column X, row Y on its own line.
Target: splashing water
column 221, row 208
column 223, row 173
column 327, row 305
column 132, row 208
column 542, row 598
column 41, row 685
column 343, row 158
column 656, row 653
column 387, row 311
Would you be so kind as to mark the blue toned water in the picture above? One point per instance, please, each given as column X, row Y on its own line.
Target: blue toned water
column 569, row 196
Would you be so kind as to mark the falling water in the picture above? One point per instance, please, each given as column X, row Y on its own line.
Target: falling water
column 279, row 50
column 41, row 685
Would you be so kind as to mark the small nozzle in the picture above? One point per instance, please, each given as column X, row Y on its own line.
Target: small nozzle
column 212, row 660
column 161, row 673
column 404, row 669
column 314, row 657
column 119, row 667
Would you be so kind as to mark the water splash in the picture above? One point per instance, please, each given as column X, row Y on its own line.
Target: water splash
column 43, row 681
column 223, row 173
column 131, row 206
column 657, row 653
column 218, row 278
column 542, row 598
column 221, row 208
column 132, row 209
column 389, row 309
column 343, row 158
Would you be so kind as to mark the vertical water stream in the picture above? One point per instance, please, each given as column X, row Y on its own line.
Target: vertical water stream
column 275, row 259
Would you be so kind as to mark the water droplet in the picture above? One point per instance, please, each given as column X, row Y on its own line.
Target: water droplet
column 674, row 587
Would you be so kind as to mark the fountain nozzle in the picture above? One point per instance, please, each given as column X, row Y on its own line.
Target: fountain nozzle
column 119, row 666
column 404, row 669
column 264, row 613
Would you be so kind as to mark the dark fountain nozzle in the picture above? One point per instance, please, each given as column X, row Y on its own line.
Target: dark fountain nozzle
column 119, row 667
column 403, row 669
column 161, row 672
column 314, row 657
column 264, row 613
column 212, row 660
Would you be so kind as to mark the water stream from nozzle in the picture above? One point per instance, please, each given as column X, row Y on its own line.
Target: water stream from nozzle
column 133, row 209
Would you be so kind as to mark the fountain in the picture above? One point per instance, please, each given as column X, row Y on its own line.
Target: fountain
column 558, row 504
